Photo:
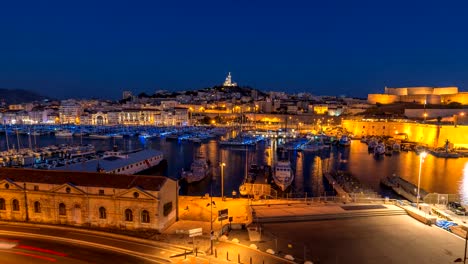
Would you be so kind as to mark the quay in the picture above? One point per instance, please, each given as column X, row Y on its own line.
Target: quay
column 266, row 225
column 336, row 187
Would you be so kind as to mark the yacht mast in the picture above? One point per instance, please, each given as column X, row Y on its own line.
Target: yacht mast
column 17, row 138
column 6, row 137
column 29, row 139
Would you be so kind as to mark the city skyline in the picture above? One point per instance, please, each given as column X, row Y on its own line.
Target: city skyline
column 335, row 48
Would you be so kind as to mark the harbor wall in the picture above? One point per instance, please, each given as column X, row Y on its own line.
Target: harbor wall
column 426, row 134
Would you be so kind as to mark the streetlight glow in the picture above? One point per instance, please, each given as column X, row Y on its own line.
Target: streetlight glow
column 422, row 155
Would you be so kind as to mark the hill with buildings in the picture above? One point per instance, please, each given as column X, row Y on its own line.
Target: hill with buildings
column 17, row 96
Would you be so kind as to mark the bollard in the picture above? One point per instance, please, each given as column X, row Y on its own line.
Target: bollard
column 238, row 257
column 185, row 254
column 227, row 255
column 250, row 260
column 216, row 253
column 196, row 252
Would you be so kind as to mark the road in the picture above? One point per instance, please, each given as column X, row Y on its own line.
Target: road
column 29, row 244
column 44, row 244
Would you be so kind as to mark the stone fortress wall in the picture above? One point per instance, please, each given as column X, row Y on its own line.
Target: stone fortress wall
column 422, row 95
column 426, row 134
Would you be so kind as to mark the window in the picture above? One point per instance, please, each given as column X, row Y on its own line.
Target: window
column 135, row 194
column 68, row 190
column 102, row 213
column 36, row 187
column 37, row 207
column 128, row 215
column 145, row 217
column 7, row 186
column 15, row 205
column 2, row 204
column 62, row 209
column 101, row 192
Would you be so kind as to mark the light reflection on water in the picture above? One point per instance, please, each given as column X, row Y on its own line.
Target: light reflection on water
column 437, row 175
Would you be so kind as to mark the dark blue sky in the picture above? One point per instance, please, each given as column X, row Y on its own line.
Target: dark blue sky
column 100, row 48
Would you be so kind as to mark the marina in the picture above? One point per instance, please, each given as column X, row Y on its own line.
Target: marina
column 308, row 163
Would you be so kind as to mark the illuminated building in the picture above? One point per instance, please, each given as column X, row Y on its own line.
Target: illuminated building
column 421, row 95
column 87, row 199
column 228, row 82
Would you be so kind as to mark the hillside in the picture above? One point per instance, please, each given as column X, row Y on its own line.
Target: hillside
column 16, row 96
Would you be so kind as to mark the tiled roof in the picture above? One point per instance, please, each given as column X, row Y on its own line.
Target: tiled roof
column 88, row 179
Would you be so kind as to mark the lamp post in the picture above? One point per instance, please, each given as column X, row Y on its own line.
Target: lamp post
column 211, row 219
column 421, row 160
column 222, row 164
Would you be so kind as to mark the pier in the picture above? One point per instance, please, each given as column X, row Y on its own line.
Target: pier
column 336, row 187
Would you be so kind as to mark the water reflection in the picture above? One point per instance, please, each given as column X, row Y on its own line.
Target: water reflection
column 437, row 175
column 464, row 185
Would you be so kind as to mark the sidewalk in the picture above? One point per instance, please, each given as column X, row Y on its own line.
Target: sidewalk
column 195, row 212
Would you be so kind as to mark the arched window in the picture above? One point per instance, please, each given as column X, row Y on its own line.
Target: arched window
column 2, row 204
column 128, row 215
column 37, row 207
column 62, row 209
column 145, row 217
column 15, row 205
column 102, row 213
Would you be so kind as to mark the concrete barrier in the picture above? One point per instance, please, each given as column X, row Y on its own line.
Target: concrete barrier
column 423, row 218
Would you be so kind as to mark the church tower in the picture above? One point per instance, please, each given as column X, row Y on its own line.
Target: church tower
column 228, row 82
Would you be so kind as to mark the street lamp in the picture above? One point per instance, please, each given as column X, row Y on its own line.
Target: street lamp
column 421, row 160
column 211, row 218
column 222, row 164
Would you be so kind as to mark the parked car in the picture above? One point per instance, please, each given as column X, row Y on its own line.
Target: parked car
column 457, row 208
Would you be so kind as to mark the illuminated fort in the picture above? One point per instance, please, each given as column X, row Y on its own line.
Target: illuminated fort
column 421, row 95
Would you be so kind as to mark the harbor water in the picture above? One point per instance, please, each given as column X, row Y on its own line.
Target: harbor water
column 439, row 175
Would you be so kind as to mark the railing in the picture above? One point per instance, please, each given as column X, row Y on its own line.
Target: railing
column 302, row 198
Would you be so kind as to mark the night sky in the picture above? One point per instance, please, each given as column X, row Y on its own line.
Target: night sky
column 99, row 48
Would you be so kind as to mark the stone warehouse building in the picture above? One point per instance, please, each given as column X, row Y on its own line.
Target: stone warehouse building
column 88, row 199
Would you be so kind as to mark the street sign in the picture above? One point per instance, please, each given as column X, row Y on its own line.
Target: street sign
column 223, row 214
column 195, row 232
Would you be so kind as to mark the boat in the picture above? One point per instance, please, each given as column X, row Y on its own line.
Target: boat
column 344, row 141
column 388, row 150
column 379, row 149
column 283, row 175
column 444, row 153
column 63, row 133
column 119, row 162
column 199, row 169
column 396, row 147
column 99, row 136
column 238, row 141
column 372, row 143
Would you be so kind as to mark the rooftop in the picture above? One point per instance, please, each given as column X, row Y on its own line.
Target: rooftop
column 87, row 179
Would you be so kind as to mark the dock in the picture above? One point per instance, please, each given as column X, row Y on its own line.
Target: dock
column 257, row 190
column 336, row 187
